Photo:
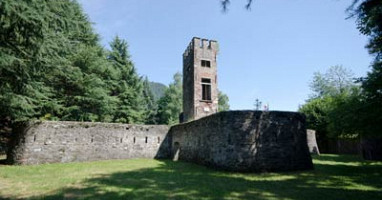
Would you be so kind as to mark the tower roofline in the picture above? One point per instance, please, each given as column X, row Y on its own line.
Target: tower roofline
column 201, row 43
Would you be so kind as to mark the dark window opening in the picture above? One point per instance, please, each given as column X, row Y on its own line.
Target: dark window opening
column 206, row 89
column 134, row 140
column 146, row 140
column 206, row 63
column 206, row 80
column 158, row 140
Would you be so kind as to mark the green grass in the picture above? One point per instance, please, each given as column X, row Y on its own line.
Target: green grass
column 334, row 177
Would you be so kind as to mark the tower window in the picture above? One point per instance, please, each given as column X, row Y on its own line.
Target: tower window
column 206, row 89
column 206, row 63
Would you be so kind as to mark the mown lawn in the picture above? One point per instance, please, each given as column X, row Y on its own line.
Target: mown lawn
column 334, row 177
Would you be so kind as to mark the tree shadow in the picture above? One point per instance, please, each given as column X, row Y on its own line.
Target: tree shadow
column 3, row 159
column 178, row 180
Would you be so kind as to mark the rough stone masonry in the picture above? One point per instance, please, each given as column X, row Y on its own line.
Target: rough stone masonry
column 60, row 142
column 249, row 141
column 200, row 92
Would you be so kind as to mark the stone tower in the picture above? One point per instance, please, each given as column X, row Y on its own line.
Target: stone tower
column 200, row 94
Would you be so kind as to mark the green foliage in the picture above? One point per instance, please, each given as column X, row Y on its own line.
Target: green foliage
column 369, row 23
column 82, row 88
column 343, row 115
column 126, row 85
column 316, row 111
column 170, row 105
column 223, row 101
column 157, row 89
column 52, row 67
column 37, row 39
column 337, row 80
column 371, row 107
column 151, row 106
column 335, row 99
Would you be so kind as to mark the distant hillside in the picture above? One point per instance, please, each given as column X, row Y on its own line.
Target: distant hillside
column 157, row 89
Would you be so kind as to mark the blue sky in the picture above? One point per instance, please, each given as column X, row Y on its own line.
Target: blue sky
column 270, row 52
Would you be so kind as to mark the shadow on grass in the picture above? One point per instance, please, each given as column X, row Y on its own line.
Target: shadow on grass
column 177, row 180
column 3, row 159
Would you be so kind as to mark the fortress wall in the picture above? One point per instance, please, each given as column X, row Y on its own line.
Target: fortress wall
column 247, row 141
column 53, row 142
column 312, row 142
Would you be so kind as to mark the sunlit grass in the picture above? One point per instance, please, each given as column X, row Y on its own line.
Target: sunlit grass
column 334, row 177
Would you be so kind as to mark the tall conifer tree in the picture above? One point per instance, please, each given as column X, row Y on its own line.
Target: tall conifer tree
column 129, row 87
column 170, row 105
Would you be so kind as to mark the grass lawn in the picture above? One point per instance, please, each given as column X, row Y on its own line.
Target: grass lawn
column 334, row 177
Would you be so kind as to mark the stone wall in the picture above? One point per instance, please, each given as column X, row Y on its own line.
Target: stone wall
column 51, row 142
column 312, row 142
column 248, row 141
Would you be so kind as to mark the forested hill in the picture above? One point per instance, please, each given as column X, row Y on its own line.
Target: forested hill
column 157, row 89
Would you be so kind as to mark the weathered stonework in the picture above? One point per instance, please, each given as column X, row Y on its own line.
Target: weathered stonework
column 249, row 141
column 312, row 142
column 194, row 107
column 51, row 142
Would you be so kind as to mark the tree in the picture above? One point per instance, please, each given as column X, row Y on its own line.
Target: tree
column 369, row 23
column 343, row 115
column 82, row 89
column 52, row 67
column 38, row 39
column 316, row 111
column 127, row 86
column 335, row 81
column 170, row 105
column 331, row 107
column 223, row 101
column 151, row 107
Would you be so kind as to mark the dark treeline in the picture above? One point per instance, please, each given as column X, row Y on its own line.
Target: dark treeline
column 341, row 107
column 53, row 67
